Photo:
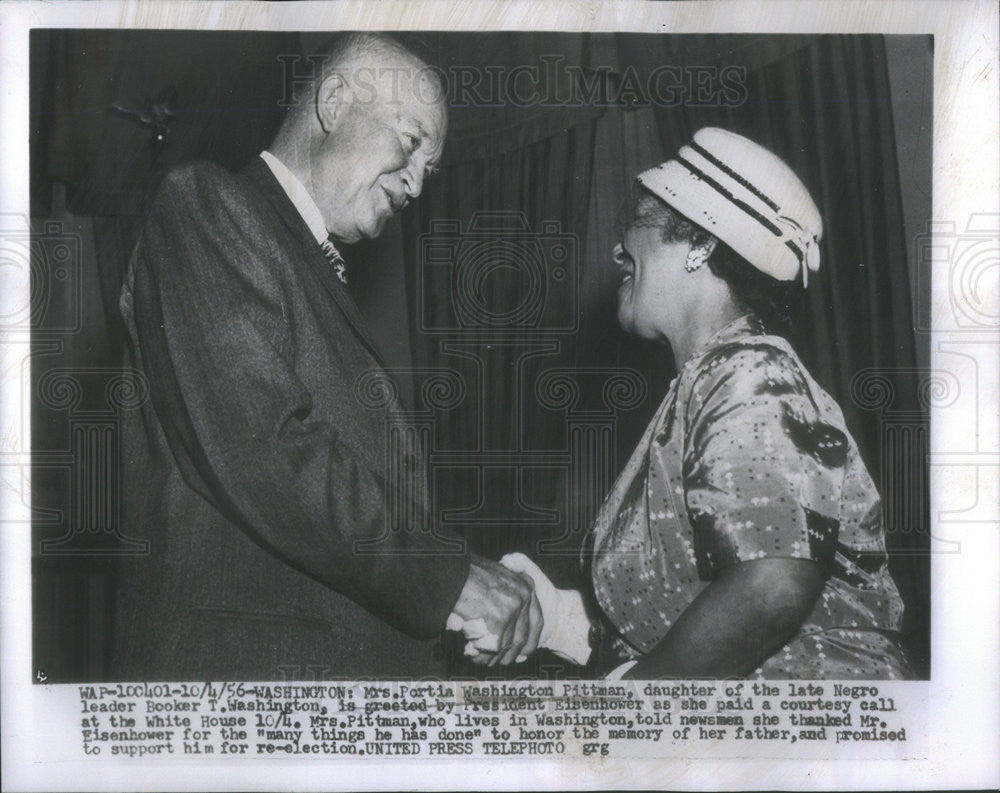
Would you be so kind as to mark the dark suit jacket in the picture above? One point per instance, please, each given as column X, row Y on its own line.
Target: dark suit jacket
column 254, row 468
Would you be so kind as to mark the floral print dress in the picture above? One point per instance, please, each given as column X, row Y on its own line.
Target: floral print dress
column 747, row 458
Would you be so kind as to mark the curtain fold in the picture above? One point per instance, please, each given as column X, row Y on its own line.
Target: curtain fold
column 530, row 195
column 820, row 103
column 508, row 315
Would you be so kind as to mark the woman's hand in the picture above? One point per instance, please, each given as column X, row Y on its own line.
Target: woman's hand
column 503, row 608
column 563, row 622
column 737, row 622
column 565, row 628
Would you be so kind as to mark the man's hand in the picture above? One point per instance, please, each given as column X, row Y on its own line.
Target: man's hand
column 506, row 602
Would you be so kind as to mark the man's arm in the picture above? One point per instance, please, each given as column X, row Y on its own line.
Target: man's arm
column 217, row 344
column 738, row 621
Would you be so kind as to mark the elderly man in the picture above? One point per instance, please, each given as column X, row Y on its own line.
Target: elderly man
column 254, row 472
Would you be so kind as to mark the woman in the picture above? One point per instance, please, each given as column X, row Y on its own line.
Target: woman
column 744, row 536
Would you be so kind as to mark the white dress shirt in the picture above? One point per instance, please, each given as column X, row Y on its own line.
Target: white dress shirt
column 298, row 195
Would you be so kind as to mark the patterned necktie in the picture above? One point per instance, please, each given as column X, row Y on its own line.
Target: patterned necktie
column 333, row 256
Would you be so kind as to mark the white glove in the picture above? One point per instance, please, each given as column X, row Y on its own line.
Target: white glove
column 565, row 629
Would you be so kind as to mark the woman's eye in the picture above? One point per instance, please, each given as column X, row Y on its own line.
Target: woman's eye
column 618, row 254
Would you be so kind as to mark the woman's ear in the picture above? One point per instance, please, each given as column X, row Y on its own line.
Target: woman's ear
column 708, row 247
column 332, row 98
column 699, row 254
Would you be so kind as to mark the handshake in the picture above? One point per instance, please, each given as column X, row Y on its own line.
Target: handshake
column 509, row 609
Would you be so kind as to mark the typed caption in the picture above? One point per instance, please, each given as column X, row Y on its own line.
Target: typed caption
column 482, row 719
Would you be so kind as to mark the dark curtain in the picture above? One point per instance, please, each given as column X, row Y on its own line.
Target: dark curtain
column 826, row 110
column 123, row 107
column 111, row 111
column 556, row 394
column 823, row 105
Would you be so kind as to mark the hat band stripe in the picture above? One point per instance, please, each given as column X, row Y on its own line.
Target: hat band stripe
column 794, row 248
column 733, row 174
column 728, row 195
column 799, row 253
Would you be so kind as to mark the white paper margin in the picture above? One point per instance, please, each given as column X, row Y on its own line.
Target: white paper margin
column 962, row 698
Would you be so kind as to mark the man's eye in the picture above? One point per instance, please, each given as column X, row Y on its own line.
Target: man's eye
column 412, row 142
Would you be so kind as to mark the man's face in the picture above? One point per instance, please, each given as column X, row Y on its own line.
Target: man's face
column 382, row 147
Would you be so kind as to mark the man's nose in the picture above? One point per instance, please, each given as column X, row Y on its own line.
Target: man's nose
column 413, row 180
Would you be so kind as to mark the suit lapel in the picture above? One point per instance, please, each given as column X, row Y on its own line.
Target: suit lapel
column 258, row 172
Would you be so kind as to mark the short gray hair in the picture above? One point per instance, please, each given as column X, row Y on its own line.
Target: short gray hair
column 360, row 47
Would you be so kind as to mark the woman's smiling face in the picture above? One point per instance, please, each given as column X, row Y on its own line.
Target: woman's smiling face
column 649, row 271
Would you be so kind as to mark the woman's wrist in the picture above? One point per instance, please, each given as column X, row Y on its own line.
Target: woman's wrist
column 620, row 671
column 569, row 627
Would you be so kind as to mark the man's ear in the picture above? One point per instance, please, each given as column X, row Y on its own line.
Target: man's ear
column 332, row 98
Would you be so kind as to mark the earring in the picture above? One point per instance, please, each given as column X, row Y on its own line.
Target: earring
column 695, row 259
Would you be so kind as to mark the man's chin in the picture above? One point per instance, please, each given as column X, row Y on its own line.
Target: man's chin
column 362, row 231
column 348, row 237
column 373, row 229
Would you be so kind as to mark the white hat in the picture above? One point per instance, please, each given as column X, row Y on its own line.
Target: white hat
column 743, row 194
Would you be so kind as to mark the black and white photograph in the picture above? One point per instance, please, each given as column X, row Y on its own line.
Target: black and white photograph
column 435, row 390
column 341, row 370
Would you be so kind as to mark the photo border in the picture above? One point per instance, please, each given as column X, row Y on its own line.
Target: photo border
column 959, row 703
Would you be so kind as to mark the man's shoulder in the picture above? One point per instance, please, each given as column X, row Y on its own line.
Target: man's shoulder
column 202, row 180
column 205, row 194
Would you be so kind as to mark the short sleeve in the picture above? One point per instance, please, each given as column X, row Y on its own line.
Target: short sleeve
column 763, row 469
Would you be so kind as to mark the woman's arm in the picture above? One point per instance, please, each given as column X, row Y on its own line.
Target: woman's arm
column 740, row 619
